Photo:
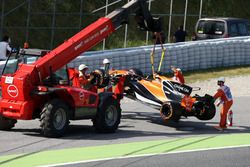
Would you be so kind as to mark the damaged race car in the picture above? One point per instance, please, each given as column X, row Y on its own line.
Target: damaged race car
column 171, row 98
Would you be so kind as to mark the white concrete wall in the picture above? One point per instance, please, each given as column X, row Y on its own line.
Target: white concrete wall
column 188, row 55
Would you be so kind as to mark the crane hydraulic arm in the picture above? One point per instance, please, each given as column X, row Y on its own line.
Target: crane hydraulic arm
column 95, row 33
column 24, row 80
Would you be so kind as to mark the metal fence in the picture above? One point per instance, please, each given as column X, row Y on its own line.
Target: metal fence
column 47, row 23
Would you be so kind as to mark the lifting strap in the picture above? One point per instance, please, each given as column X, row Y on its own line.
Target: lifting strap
column 152, row 59
column 163, row 51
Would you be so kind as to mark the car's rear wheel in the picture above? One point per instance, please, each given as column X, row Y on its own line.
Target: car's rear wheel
column 169, row 111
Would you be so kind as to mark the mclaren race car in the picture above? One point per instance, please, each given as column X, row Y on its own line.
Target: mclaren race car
column 173, row 99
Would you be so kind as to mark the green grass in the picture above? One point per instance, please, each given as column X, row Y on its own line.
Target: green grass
column 201, row 75
column 71, row 155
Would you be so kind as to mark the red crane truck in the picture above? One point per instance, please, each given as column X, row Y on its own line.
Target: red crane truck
column 31, row 91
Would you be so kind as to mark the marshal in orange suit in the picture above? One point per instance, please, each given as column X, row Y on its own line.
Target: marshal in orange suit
column 224, row 93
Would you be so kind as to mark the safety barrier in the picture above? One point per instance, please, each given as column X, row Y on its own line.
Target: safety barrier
column 194, row 55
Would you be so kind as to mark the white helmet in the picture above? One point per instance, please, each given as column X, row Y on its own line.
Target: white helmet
column 178, row 69
column 82, row 67
column 221, row 79
column 106, row 61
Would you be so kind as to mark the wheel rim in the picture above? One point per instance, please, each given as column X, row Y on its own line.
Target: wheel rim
column 166, row 112
column 59, row 120
column 111, row 115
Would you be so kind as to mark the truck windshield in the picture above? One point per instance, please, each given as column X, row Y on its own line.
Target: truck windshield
column 12, row 66
column 211, row 27
column 12, row 63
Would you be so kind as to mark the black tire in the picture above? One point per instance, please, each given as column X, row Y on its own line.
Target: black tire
column 7, row 123
column 108, row 116
column 54, row 118
column 208, row 114
column 100, row 79
column 170, row 111
column 135, row 72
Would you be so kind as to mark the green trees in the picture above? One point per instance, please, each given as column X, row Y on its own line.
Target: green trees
column 47, row 23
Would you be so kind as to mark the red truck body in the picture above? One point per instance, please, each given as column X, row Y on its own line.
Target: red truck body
column 16, row 100
column 26, row 95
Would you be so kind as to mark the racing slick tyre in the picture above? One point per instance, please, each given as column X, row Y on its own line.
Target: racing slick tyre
column 108, row 116
column 169, row 111
column 54, row 118
column 7, row 123
column 207, row 113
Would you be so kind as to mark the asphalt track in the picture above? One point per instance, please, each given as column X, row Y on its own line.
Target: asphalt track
column 141, row 132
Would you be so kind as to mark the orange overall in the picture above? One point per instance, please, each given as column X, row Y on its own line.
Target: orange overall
column 225, row 95
column 74, row 77
column 179, row 77
column 86, row 84
column 80, row 81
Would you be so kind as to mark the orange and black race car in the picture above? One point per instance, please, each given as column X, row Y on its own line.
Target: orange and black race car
column 170, row 97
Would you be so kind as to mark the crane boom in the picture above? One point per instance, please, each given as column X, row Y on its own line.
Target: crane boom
column 79, row 43
column 93, row 34
column 28, row 76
